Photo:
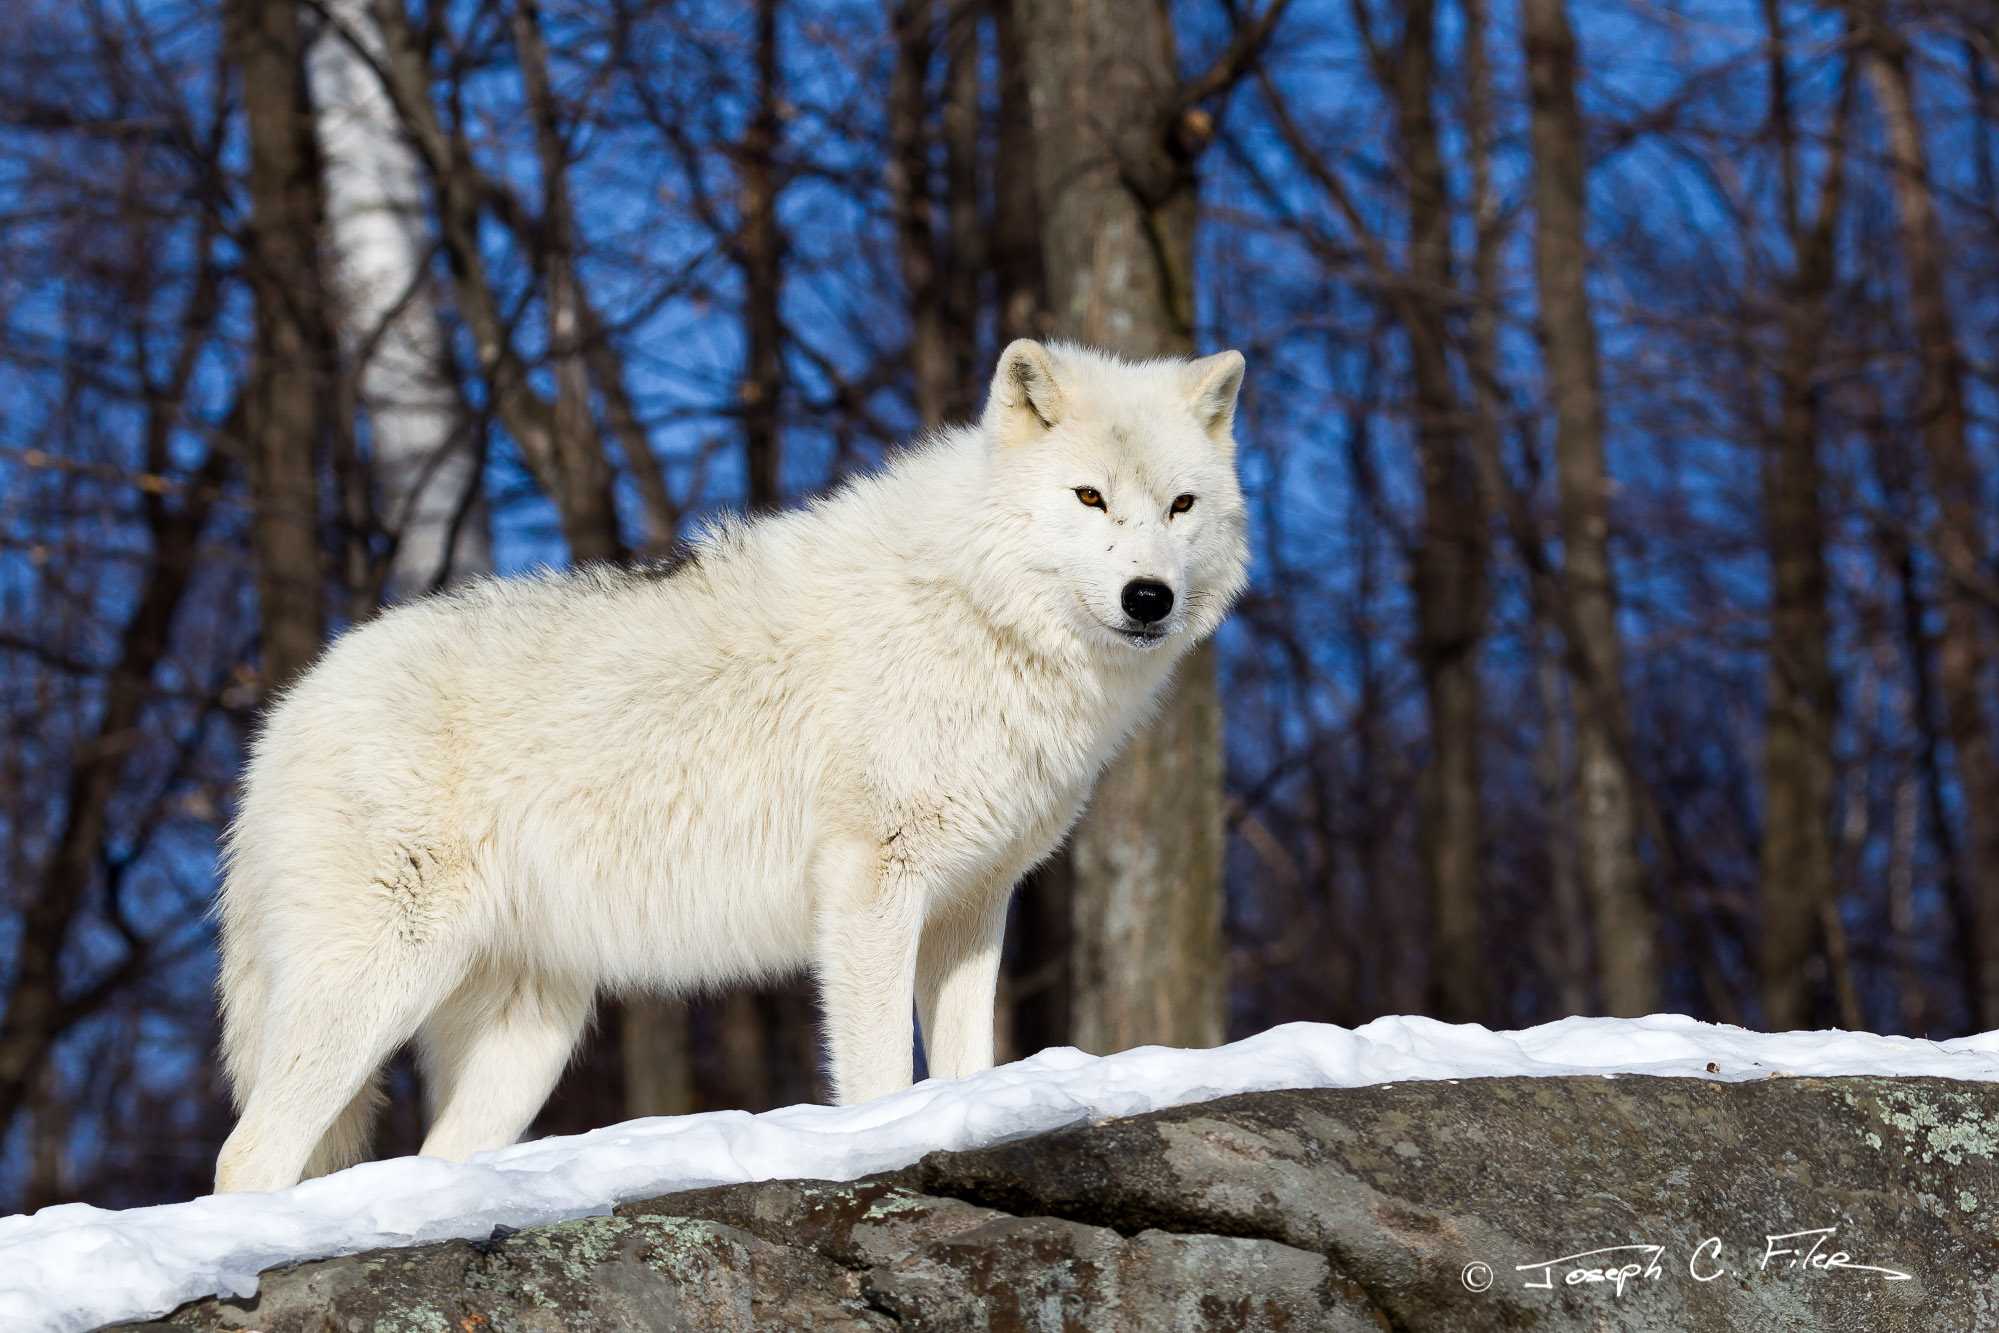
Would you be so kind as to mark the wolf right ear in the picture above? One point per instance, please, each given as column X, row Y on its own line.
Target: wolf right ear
column 1025, row 397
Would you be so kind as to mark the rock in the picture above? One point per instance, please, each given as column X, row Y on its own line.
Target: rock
column 938, row 1263
column 1586, row 1203
column 614, row 1274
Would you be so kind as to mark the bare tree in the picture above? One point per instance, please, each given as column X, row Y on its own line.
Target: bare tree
column 1450, row 551
column 1957, row 539
column 1608, row 814
column 760, row 255
column 40, row 1006
column 938, row 230
column 1450, row 557
column 286, row 413
column 1798, row 894
column 1013, row 245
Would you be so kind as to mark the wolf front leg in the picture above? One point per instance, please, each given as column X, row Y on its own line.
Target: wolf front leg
column 870, row 914
column 957, row 981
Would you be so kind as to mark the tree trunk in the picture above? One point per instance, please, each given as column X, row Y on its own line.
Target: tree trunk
column 940, row 238
column 1612, row 873
column 1895, row 471
column 655, row 1050
column 964, row 227
column 423, row 457
column 1117, row 217
column 285, row 409
column 1449, row 565
column 581, row 468
column 1014, row 246
column 761, row 257
column 1798, row 762
column 1957, row 539
column 1554, row 775
column 1034, row 999
column 742, row 1041
column 1797, row 747
column 1912, row 994
column 930, row 360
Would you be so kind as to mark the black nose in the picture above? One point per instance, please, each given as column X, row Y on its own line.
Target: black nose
column 1146, row 601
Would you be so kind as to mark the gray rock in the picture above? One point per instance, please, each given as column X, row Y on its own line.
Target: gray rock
column 929, row 1262
column 1471, row 1205
column 1587, row 1203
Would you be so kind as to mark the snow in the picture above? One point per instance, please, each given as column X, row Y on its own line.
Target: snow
column 74, row 1267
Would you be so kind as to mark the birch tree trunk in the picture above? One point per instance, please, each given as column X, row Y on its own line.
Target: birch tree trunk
column 1117, row 217
column 1957, row 539
column 1612, row 874
column 425, row 468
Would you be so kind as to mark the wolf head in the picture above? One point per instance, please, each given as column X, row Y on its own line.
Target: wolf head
column 1124, row 476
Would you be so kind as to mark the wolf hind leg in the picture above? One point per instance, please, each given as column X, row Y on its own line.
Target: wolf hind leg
column 492, row 1054
column 325, row 1035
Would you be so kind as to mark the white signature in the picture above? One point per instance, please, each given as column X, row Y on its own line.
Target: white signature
column 1811, row 1258
column 1619, row 1265
column 1615, row 1273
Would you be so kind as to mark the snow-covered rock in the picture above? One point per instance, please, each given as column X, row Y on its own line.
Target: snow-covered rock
column 75, row 1267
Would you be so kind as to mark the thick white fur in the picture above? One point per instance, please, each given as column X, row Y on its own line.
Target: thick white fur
column 835, row 739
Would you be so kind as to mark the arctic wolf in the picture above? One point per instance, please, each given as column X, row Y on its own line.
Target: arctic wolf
column 832, row 738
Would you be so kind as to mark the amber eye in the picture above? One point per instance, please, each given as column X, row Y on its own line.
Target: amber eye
column 1182, row 503
column 1090, row 496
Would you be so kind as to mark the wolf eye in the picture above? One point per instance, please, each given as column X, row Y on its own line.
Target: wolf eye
column 1182, row 503
column 1090, row 496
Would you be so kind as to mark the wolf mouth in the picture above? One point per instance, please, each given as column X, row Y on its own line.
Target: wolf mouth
column 1144, row 638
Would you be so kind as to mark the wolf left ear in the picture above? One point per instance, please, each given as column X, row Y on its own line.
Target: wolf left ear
column 1212, row 384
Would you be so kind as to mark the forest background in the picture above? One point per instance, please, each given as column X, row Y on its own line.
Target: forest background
column 1618, row 437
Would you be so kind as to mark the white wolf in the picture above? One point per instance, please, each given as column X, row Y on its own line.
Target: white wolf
column 833, row 738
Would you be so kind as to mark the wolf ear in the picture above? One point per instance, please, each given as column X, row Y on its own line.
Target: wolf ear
column 1025, row 397
column 1212, row 383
